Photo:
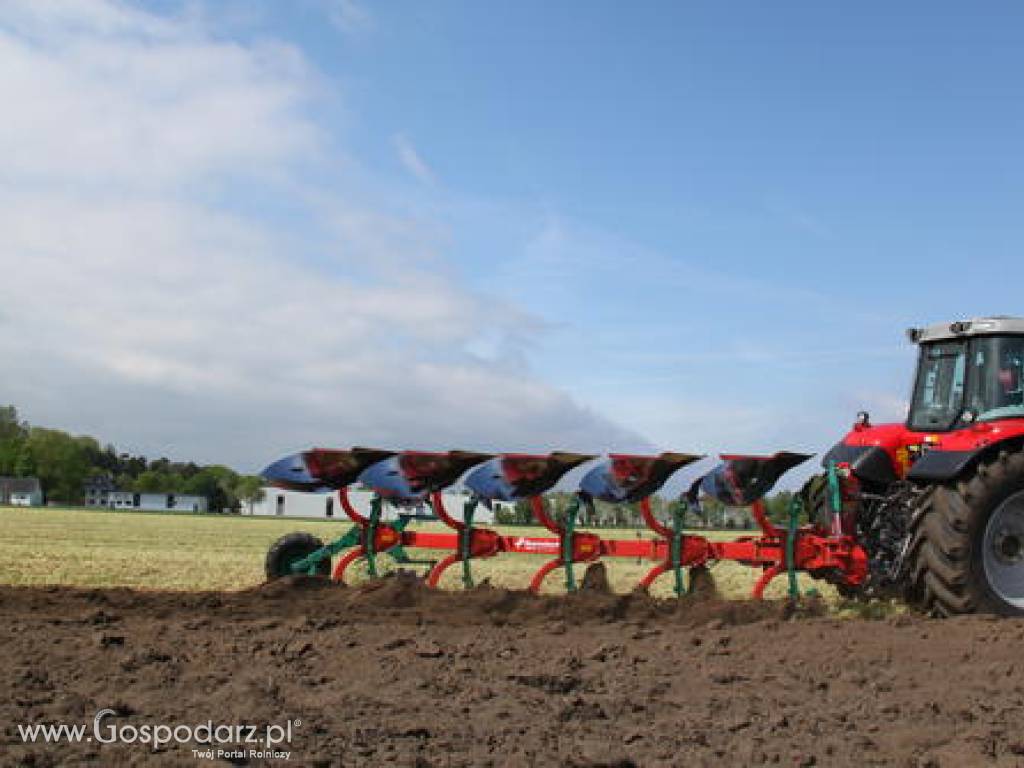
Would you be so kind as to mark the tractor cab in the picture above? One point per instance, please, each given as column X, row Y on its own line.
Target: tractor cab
column 968, row 397
column 968, row 372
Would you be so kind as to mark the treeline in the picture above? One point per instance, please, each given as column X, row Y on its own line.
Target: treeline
column 64, row 463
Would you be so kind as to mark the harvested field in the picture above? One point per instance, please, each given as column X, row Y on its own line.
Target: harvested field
column 389, row 673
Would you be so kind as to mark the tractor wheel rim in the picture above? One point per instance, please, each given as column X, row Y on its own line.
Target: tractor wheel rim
column 1003, row 551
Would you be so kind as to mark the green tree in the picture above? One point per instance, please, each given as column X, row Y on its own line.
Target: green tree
column 778, row 506
column 12, row 442
column 11, row 427
column 10, row 453
column 217, row 483
column 24, row 462
column 61, row 462
column 249, row 489
column 520, row 514
column 155, row 481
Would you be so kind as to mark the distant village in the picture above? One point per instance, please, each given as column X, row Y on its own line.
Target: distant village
column 101, row 493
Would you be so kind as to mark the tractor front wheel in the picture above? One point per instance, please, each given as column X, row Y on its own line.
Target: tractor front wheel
column 290, row 549
column 967, row 544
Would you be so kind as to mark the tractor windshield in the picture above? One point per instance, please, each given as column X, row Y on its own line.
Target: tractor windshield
column 984, row 376
column 939, row 390
column 994, row 380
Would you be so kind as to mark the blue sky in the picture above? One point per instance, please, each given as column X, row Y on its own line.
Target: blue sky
column 689, row 226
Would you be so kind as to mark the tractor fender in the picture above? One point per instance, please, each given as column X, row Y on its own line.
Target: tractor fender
column 937, row 466
column 867, row 462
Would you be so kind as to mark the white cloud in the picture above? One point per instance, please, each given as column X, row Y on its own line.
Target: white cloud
column 112, row 104
column 347, row 15
column 411, row 160
column 55, row 24
column 145, row 303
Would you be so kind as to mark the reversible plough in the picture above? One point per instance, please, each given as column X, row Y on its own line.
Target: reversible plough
column 411, row 477
column 930, row 509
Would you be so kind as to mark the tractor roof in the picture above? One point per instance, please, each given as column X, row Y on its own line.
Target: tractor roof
column 979, row 326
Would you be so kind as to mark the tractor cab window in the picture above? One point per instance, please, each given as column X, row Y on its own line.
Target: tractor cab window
column 996, row 377
column 939, row 389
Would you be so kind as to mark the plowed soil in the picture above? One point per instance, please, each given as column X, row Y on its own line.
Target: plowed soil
column 394, row 674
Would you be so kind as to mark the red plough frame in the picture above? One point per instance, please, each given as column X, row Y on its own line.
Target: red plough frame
column 630, row 479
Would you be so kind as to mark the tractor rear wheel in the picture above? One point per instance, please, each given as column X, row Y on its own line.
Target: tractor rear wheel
column 967, row 542
column 290, row 549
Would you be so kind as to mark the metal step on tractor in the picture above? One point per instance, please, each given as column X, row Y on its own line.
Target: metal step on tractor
column 930, row 510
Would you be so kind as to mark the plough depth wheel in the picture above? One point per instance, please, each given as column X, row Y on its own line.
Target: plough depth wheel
column 290, row 549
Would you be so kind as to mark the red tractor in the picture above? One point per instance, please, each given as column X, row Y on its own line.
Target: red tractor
column 938, row 502
column 932, row 510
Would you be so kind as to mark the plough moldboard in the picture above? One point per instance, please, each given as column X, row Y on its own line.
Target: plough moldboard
column 410, row 477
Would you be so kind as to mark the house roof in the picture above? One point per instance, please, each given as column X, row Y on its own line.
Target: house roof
column 9, row 485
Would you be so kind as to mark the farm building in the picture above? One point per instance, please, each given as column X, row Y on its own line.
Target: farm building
column 101, row 492
column 21, row 492
column 281, row 503
column 96, row 490
column 146, row 502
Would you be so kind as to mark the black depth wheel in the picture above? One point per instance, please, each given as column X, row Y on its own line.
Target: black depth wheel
column 291, row 548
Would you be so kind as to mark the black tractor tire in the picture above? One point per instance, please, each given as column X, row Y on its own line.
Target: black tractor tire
column 948, row 574
column 292, row 547
column 815, row 498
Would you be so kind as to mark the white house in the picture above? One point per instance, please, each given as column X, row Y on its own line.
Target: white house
column 277, row 502
column 21, row 492
column 146, row 502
